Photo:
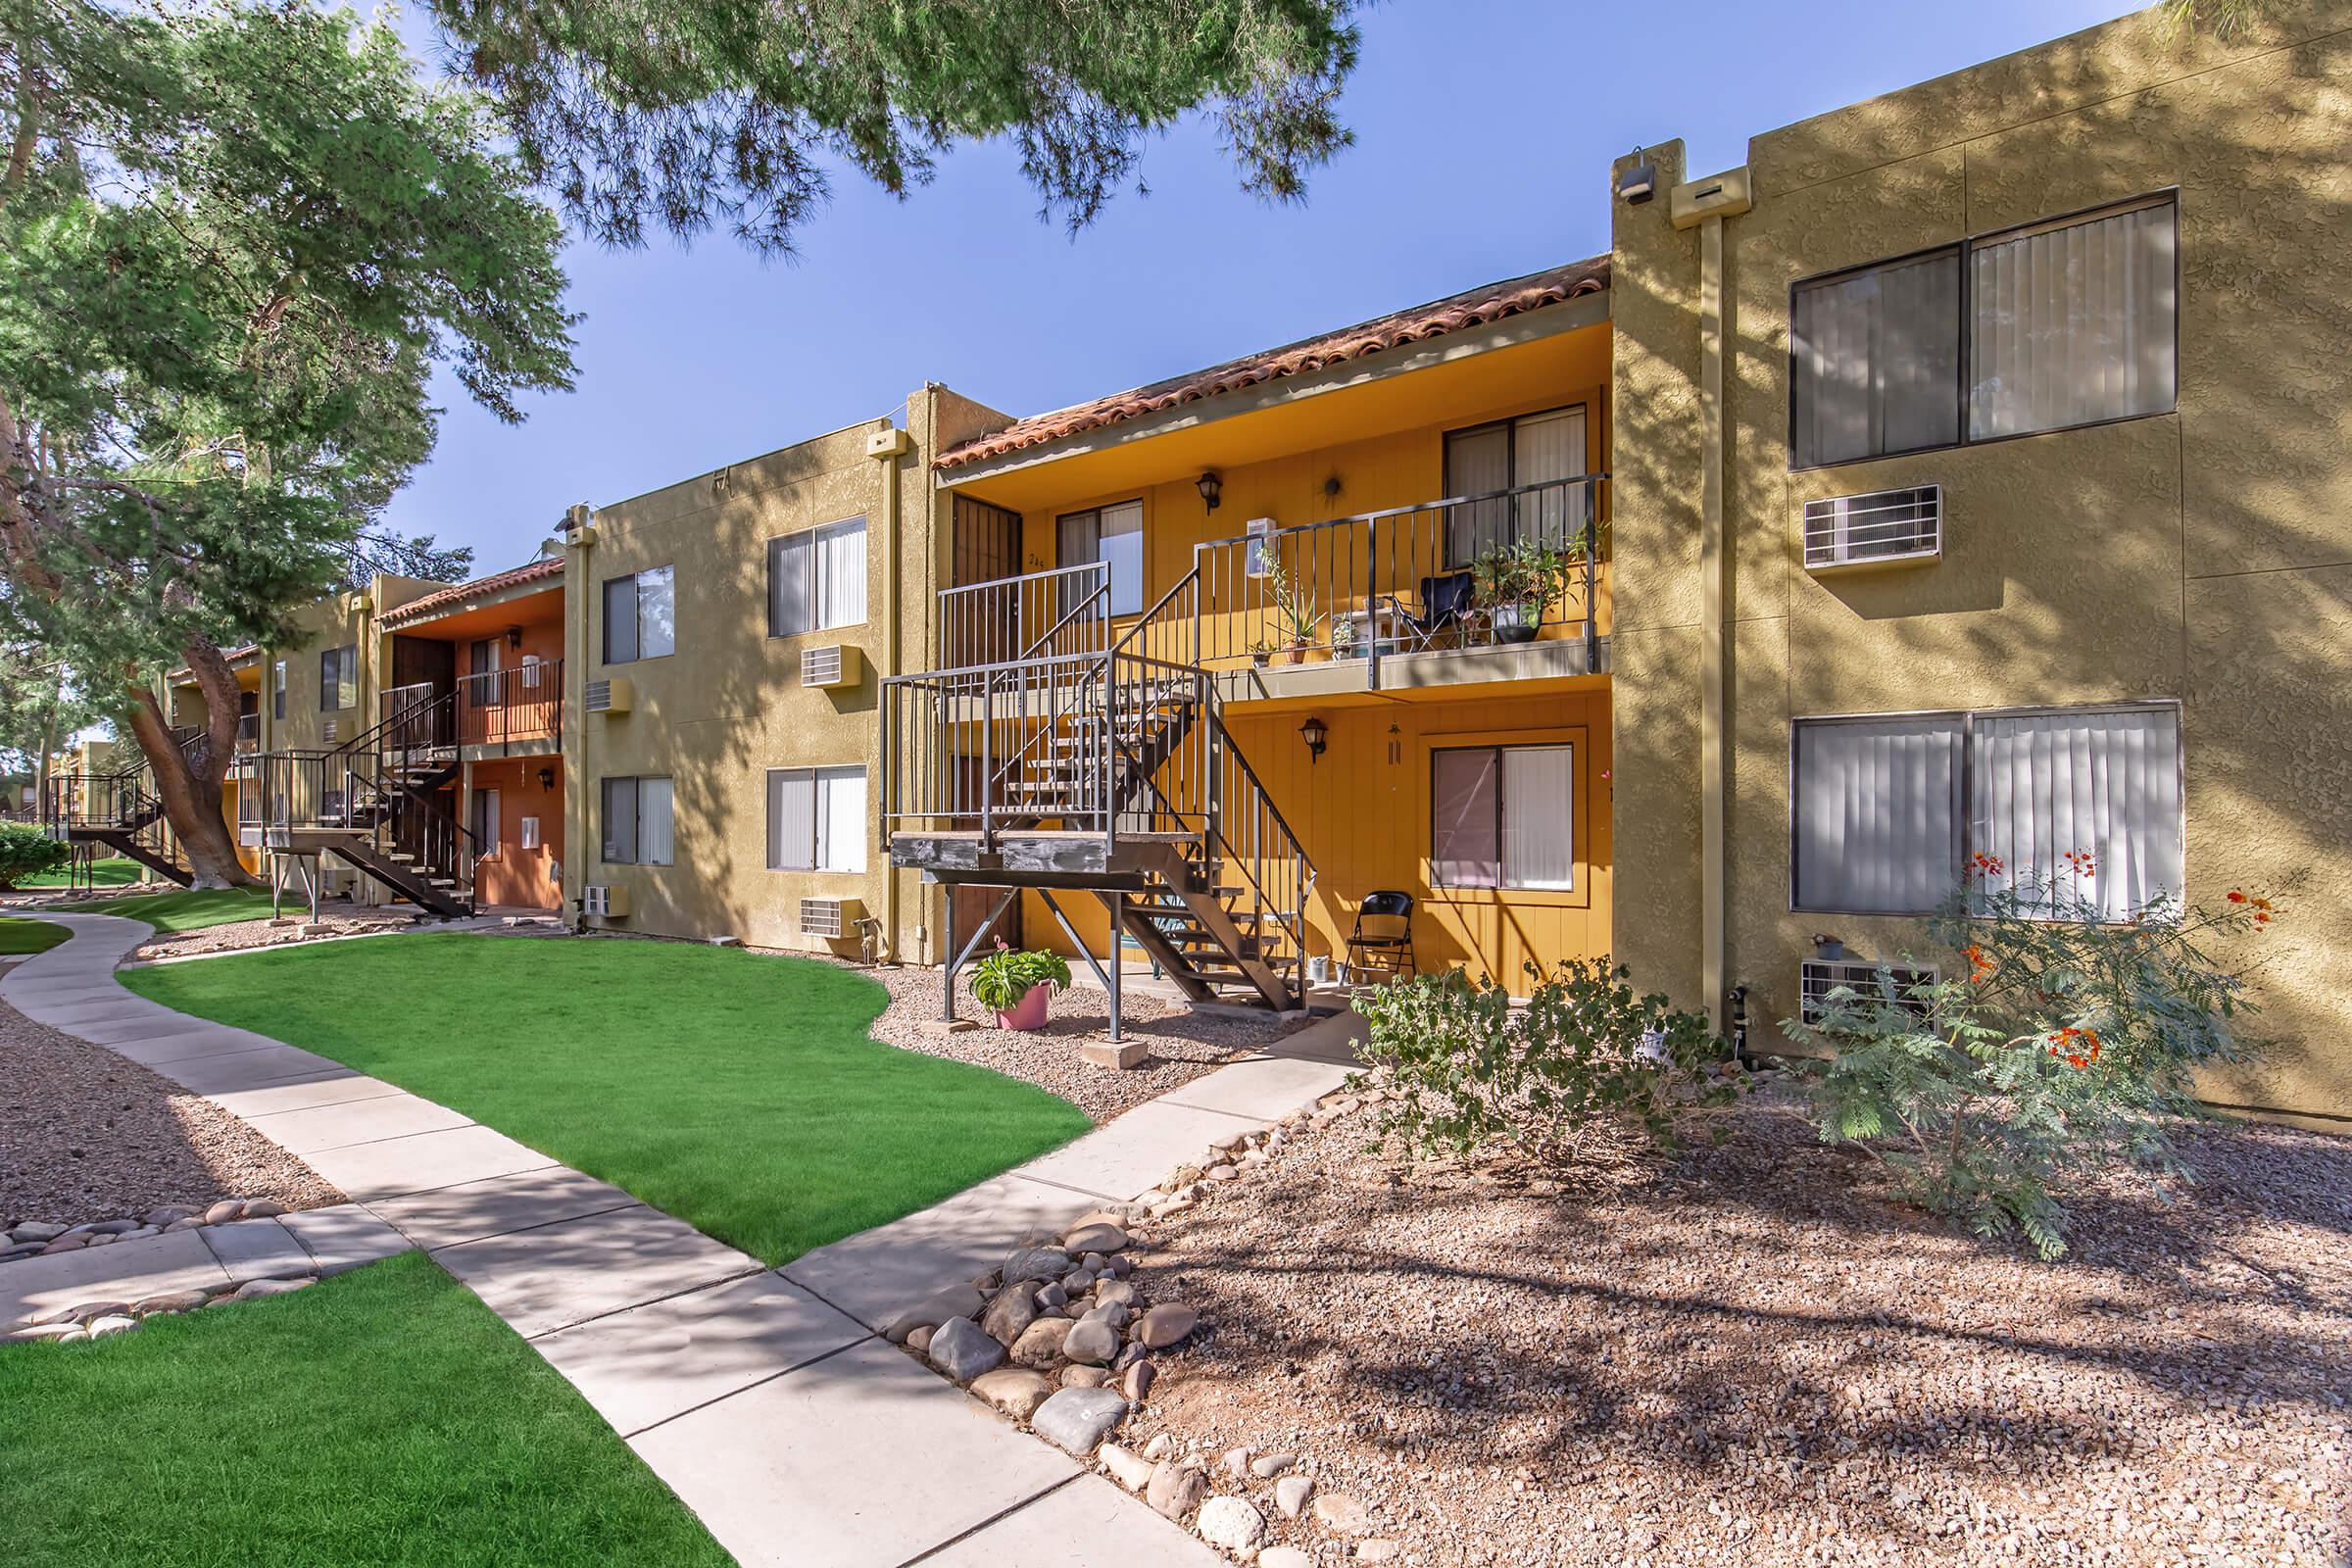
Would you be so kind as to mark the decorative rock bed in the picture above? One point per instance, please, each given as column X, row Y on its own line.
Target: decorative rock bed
column 97, row 1320
column 40, row 1239
column 1066, row 1338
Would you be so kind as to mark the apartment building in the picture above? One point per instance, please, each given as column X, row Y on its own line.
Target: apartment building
column 1983, row 488
column 727, row 640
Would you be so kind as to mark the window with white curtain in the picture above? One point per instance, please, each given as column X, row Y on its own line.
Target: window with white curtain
column 1113, row 536
column 1534, row 449
column 816, row 819
column 338, row 678
column 1501, row 816
column 637, row 829
column 641, row 618
column 816, row 578
column 1890, row 812
column 2062, row 324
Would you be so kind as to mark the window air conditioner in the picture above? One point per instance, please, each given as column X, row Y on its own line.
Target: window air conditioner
column 1876, row 529
column 604, row 899
column 611, row 696
column 829, row 918
column 834, row 666
column 1818, row 977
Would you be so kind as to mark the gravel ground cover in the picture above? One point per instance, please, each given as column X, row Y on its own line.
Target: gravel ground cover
column 1752, row 1357
column 86, row 1135
column 1185, row 1045
column 339, row 918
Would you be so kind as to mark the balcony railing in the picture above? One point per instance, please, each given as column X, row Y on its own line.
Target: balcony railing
column 503, row 707
column 1038, row 616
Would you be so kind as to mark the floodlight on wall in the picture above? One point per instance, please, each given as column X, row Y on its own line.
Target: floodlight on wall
column 1640, row 180
column 1212, row 488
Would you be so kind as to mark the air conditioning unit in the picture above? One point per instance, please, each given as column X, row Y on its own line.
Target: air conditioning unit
column 604, row 899
column 834, row 666
column 329, row 729
column 1818, row 977
column 830, row 918
column 1877, row 530
column 611, row 696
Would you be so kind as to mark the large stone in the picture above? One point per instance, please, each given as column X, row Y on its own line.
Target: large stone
column 170, row 1214
column 263, row 1208
column 1291, row 1494
column 1015, row 1391
column 1011, row 1311
column 224, row 1212
column 1036, row 1264
column 171, row 1301
column 1091, row 1340
column 1343, row 1514
column 1075, row 1420
column 1124, row 1056
column 83, row 1311
column 1085, row 1377
column 957, row 1300
column 1137, row 1384
column 1166, row 1324
column 112, row 1227
column 1099, row 1236
column 35, row 1231
column 68, row 1243
column 962, row 1349
column 1040, row 1343
column 254, row 1289
column 1266, row 1466
column 1232, row 1525
column 1127, row 1467
column 1115, row 1292
column 1176, row 1490
column 111, row 1323
column 44, row 1331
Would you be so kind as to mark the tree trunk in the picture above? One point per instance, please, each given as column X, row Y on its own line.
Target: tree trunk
column 190, row 791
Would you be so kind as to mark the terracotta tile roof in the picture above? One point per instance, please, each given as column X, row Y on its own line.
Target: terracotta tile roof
column 443, row 600
column 235, row 656
column 1490, row 302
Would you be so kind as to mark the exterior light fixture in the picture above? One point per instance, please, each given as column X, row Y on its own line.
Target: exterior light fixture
column 547, row 778
column 1210, row 487
column 514, row 636
column 1639, row 181
column 1314, row 734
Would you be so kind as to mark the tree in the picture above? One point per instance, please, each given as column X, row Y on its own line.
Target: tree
column 234, row 241
column 2227, row 19
column 39, row 707
column 690, row 114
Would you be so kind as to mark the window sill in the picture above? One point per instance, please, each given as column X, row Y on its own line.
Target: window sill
column 1521, row 897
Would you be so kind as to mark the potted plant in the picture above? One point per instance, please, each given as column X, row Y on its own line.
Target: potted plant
column 1259, row 652
column 1017, row 985
column 1342, row 635
column 1295, row 617
column 1515, row 583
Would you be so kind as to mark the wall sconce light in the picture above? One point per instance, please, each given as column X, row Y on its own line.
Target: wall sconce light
column 514, row 636
column 1212, row 488
column 547, row 778
column 1314, row 734
column 1639, row 181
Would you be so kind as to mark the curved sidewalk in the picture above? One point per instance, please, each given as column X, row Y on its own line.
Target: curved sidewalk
column 765, row 1399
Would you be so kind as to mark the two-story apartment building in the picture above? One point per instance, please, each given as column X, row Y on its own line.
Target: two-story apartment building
column 1983, row 488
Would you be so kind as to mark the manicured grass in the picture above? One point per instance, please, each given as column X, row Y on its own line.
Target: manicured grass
column 19, row 934
column 182, row 909
column 114, row 872
column 736, row 1090
column 383, row 1416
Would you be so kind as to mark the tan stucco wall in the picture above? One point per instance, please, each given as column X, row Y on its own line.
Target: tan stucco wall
column 2201, row 554
column 728, row 706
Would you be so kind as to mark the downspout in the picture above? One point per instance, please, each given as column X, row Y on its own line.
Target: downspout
column 887, row 445
column 1704, row 204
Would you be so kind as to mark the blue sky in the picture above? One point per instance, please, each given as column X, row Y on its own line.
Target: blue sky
column 1483, row 133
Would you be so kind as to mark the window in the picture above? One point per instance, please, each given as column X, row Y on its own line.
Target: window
column 1889, row 811
column 277, row 690
column 2062, row 324
column 1113, row 536
column 817, row 580
column 530, row 672
column 1499, row 817
column 1534, row 448
column 338, row 678
column 637, row 821
column 640, row 615
column 485, row 822
column 816, row 819
column 526, row 832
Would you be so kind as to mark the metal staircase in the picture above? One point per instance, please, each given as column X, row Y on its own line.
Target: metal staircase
column 120, row 810
column 1102, row 766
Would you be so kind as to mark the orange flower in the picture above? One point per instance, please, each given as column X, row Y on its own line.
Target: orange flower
column 2236, row 897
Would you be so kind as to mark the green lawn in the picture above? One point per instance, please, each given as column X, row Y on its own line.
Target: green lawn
column 114, row 872
column 736, row 1090
column 19, row 934
column 183, row 908
column 383, row 1416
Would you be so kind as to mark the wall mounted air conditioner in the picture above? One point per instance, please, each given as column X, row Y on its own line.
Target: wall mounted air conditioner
column 1877, row 529
column 1818, row 977
column 329, row 729
column 829, row 918
column 834, row 666
column 604, row 899
column 611, row 696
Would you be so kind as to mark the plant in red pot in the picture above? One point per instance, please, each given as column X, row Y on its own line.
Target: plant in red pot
column 1017, row 985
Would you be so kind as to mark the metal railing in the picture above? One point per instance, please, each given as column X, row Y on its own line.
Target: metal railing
column 500, row 706
column 1039, row 614
column 366, row 787
column 1402, row 580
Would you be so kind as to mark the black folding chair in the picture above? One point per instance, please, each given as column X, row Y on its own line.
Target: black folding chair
column 1445, row 606
column 1382, row 942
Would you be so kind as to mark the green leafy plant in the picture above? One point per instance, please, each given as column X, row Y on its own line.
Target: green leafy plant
column 1587, row 1071
column 1294, row 614
column 1526, row 574
column 26, row 851
column 1002, row 979
column 2057, row 1041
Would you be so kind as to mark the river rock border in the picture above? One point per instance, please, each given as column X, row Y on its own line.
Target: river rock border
column 40, row 1239
column 1066, row 1339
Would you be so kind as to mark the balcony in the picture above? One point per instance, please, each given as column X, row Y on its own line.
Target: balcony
column 523, row 707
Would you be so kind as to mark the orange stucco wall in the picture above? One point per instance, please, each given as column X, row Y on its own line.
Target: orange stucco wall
column 508, row 873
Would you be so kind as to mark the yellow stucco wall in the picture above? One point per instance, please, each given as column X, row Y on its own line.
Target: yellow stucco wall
column 2199, row 556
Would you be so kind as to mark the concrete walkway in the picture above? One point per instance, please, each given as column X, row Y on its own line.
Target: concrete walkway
column 765, row 1398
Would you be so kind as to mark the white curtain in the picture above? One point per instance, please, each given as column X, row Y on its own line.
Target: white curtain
column 1549, row 447
column 1875, row 361
column 791, row 819
column 789, row 568
column 656, row 614
column 1462, row 848
column 841, row 575
column 1477, row 463
column 2103, row 783
column 654, row 834
column 1122, row 550
column 840, row 820
column 2074, row 323
column 1537, row 838
column 1877, row 815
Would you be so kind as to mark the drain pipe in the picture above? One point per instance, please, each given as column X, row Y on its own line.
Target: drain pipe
column 1704, row 204
column 886, row 446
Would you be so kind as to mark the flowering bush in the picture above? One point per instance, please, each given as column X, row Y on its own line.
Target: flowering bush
column 1586, row 1070
column 2058, row 1041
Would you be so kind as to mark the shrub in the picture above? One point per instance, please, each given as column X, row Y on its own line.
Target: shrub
column 1587, row 1070
column 1002, row 979
column 26, row 851
column 2056, row 1043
